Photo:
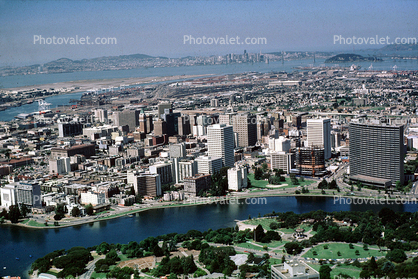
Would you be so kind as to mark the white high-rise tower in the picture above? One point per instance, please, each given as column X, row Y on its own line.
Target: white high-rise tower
column 221, row 143
column 319, row 134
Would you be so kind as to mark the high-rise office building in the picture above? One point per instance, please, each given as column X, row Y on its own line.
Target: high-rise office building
column 184, row 125
column 319, row 134
column 162, row 107
column 208, row 165
column 178, row 150
column 148, row 184
column 145, row 123
column 100, row 115
column 282, row 160
column 164, row 170
column 69, row 129
column 376, row 153
column 246, row 127
column 171, row 118
column 126, row 117
column 226, row 118
column 237, row 178
column 160, row 127
column 214, row 103
column 221, row 143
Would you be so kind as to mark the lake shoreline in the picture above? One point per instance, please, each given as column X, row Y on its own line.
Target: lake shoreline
column 206, row 202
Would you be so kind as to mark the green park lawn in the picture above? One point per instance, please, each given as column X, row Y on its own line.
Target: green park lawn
column 265, row 223
column 264, row 183
column 35, row 224
column 249, row 246
column 346, row 252
column 98, row 275
column 352, row 271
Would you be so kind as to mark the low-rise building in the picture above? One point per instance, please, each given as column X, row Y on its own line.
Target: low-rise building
column 294, row 270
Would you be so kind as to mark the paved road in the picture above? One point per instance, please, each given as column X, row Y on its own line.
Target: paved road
column 90, row 268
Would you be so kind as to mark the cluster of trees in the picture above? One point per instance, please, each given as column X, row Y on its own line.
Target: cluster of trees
column 293, row 248
column 175, row 265
column 73, row 262
column 385, row 267
column 219, row 184
column 103, row 265
column 217, row 259
column 394, row 230
column 265, row 173
column 325, row 185
column 60, row 211
column 267, row 237
column 277, row 178
column 122, row 273
column 15, row 213
column 261, row 269
column 44, row 264
column 293, row 179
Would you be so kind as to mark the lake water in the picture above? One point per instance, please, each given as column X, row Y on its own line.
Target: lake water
column 21, row 242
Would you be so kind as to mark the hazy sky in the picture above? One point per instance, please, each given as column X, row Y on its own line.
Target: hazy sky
column 158, row 27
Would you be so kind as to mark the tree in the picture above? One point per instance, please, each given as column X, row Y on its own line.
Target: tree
column 258, row 173
column 59, row 211
column 24, row 210
column 89, row 209
column 396, row 255
column 323, row 184
column 250, row 258
column 14, row 214
column 293, row 248
column 75, row 212
column 325, row 272
column 189, row 265
column 259, row 233
column 293, row 179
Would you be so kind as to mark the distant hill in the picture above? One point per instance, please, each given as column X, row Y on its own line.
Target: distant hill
column 103, row 59
column 405, row 47
column 349, row 57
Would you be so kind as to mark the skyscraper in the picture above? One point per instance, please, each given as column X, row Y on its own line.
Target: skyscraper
column 221, row 143
column 160, row 127
column 162, row 107
column 319, row 134
column 184, row 125
column 376, row 153
column 145, row 123
column 126, row 117
column 246, row 127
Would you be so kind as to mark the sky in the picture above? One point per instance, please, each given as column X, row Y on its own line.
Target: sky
column 160, row 27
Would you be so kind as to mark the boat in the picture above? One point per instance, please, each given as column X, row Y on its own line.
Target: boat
column 130, row 215
column 30, row 256
column 17, row 259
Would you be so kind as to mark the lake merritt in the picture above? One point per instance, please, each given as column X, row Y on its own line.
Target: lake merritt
column 20, row 242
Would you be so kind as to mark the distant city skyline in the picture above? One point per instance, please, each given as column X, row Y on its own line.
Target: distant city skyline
column 159, row 28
